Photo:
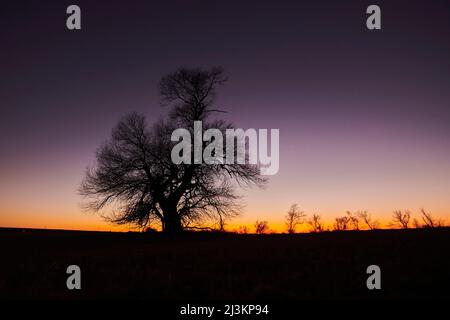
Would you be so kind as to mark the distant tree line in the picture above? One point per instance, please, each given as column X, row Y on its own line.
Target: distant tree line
column 358, row 220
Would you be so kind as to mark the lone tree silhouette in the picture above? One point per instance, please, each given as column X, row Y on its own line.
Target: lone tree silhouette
column 315, row 223
column 401, row 218
column 134, row 170
column 261, row 227
column 353, row 220
column 366, row 218
column 428, row 220
column 341, row 223
column 294, row 217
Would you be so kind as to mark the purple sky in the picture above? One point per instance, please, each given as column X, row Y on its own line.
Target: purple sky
column 363, row 115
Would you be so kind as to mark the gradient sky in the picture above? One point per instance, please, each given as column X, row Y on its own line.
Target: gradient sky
column 364, row 116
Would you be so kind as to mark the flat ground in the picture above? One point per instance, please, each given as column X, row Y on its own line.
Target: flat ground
column 414, row 264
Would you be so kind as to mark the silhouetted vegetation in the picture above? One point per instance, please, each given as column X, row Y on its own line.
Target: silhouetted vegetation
column 261, row 227
column 366, row 218
column 243, row 230
column 135, row 172
column 294, row 218
column 402, row 218
column 315, row 223
column 428, row 220
column 341, row 223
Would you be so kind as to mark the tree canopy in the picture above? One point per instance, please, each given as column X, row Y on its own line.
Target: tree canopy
column 134, row 171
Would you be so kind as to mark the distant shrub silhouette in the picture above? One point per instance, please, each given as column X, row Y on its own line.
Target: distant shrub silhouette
column 366, row 218
column 243, row 229
column 428, row 220
column 294, row 218
column 401, row 218
column 315, row 223
column 341, row 223
column 261, row 227
column 353, row 220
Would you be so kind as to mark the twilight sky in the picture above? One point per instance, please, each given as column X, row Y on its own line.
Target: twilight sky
column 364, row 116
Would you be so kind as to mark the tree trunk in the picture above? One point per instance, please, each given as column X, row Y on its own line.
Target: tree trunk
column 172, row 221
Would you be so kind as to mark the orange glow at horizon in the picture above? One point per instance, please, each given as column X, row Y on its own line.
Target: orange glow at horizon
column 327, row 180
column 94, row 222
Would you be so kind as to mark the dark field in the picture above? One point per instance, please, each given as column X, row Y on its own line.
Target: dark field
column 414, row 264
